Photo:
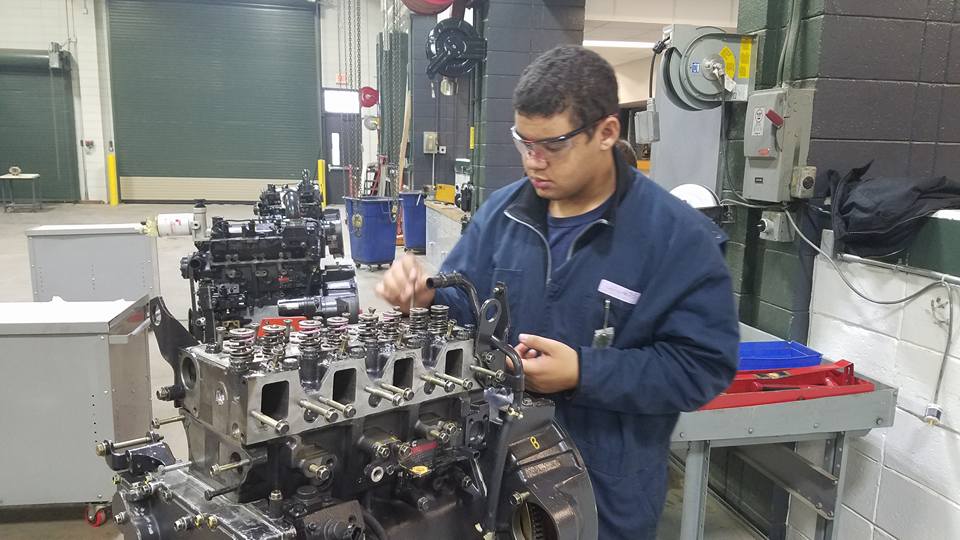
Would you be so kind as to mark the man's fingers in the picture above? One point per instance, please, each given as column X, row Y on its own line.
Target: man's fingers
column 526, row 352
column 541, row 344
column 391, row 285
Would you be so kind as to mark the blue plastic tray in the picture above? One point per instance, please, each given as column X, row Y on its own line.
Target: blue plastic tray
column 756, row 355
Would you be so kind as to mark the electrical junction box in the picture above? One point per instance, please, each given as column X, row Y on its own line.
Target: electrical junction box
column 776, row 140
column 646, row 124
column 431, row 142
column 774, row 227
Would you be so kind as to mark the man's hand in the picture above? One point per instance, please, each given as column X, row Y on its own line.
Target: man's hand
column 549, row 366
column 405, row 280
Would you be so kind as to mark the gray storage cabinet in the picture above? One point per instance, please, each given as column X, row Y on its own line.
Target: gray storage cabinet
column 93, row 262
column 74, row 373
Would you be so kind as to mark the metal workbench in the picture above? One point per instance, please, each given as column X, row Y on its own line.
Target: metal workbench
column 758, row 432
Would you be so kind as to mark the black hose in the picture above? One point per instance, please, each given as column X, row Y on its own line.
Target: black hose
column 517, row 366
column 373, row 524
column 496, row 475
column 456, row 279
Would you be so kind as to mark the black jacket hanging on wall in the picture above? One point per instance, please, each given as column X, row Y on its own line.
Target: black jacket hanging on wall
column 877, row 217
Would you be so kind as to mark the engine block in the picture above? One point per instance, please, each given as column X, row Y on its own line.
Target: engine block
column 395, row 427
column 242, row 269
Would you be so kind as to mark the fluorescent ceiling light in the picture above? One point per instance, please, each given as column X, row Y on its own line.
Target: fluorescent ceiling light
column 603, row 43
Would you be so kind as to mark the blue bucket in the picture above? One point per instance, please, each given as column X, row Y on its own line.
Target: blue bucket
column 414, row 220
column 373, row 229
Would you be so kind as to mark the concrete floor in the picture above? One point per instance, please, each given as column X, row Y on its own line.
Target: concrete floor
column 55, row 523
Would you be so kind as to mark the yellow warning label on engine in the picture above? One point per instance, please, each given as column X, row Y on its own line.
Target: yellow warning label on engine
column 729, row 61
column 746, row 51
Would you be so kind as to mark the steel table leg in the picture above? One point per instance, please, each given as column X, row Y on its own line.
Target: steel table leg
column 696, row 468
column 834, row 461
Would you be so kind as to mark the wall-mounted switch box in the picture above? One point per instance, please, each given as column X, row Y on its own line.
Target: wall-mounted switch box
column 776, row 140
column 774, row 227
column 431, row 142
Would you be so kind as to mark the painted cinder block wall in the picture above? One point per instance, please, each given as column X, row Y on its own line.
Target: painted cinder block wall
column 901, row 482
column 517, row 31
column 887, row 80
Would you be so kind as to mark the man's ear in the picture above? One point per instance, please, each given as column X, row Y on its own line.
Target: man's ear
column 609, row 131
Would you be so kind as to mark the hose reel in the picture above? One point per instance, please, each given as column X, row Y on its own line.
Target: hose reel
column 454, row 48
column 703, row 67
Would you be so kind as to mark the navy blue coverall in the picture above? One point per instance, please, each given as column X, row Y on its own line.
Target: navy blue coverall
column 661, row 265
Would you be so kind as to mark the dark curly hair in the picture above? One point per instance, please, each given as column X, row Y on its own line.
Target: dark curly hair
column 568, row 78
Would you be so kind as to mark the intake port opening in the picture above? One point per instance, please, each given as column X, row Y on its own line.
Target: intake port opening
column 345, row 386
column 453, row 365
column 403, row 372
column 273, row 399
column 188, row 372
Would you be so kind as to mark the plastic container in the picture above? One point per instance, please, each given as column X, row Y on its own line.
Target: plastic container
column 373, row 229
column 761, row 355
column 414, row 221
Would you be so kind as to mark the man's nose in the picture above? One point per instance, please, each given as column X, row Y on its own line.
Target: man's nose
column 532, row 162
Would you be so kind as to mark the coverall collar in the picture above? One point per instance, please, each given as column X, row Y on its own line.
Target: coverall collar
column 532, row 209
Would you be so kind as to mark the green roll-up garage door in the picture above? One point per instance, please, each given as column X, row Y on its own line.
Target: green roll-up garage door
column 212, row 99
column 36, row 123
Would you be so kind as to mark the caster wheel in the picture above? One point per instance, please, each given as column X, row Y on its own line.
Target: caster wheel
column 96, row 515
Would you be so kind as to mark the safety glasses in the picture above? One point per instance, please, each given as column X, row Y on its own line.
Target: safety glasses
column 550, row 148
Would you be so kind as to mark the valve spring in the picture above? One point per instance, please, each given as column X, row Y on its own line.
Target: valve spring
column 310, row 339
column 390, row 326
column 419, row 320
column 240, row 346
column 439, row 315
column 273, row 340
column 367, row 331
column 334, row 332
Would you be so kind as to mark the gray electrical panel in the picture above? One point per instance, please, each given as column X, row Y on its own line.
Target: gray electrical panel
column 776, row 141
column 74, row 373
column 93, row 262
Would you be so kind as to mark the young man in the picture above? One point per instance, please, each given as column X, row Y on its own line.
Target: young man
column 585, row 242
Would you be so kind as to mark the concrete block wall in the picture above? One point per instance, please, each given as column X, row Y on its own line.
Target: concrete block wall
column 449, row 116
column 902, row 482
column 34, row 24
column 517, row 31
column 886, row 79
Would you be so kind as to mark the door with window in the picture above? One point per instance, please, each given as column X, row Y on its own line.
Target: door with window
column 341, row 142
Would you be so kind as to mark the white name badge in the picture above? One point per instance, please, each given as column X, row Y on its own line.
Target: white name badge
column 619, row 292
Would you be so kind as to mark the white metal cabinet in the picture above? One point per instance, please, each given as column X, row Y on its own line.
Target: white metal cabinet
column 93, row 262
column 74, row 373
